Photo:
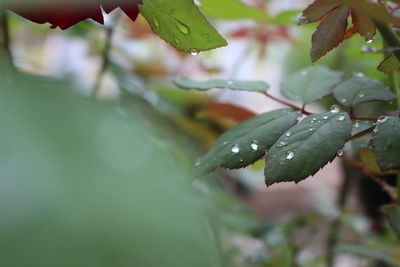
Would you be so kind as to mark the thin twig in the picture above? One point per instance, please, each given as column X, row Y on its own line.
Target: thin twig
column 106, row 54
column 5, row 34
column 361, row 166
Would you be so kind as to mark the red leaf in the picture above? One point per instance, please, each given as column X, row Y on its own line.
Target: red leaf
column 364, row 24
column 226, row 111
column 318, row 10
column 330, row 33
column 64, row 13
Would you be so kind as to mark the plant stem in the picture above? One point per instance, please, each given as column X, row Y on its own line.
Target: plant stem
column 389, row 36
column 5, row 35
column 106, row 54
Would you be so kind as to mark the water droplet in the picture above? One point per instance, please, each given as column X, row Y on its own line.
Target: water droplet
column 344, row 100
column 281, row 144
column 197, row 163
column 304, row 20
column 340, row 153
column 289, row 155
column 156, row 23
column 182, row 27
column 230, row 82
column 335, row 109
column 369, row 41
column 368, row 49
column 358, row 74
column 325, row 117
column 241, row 160
column 254, row 145
column 382, row 119
column 375, row 130
column 356, row 124
column 361, row 95
column 300, row 117
column 205, row 35
column 311, row 129
column 194, row 53
column 288, row 134
column 235, row 149
column 341, row 118
column 197, row 3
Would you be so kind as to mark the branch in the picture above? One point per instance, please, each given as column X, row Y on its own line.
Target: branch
column 106, row 54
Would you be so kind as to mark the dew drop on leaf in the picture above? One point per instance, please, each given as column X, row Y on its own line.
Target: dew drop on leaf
column 289, row 155
column 335, row 109
column 197, row 3
column 281, row 144
column 340, row 153
column 341, row 118
column 344, row 100
column 358, row 74
column 325, row 117
column 382, row 119
column 254, row 145
column 197, row 163
column 194, row 53
column 288, row 134
column 356, row 124
column 182, row 27
column 361, row 95
column 235, row 149
column 369, row 41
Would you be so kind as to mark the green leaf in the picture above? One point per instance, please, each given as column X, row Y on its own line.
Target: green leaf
column 231, row 9
column 247, row 142
column 389, row 63
column 360, row 90
column 181, row 24
column 330, row 33
column 392, row 213
column 311, row 83
column 307, row 147
column 386, row 142
column 187, row 83
column 287, row 17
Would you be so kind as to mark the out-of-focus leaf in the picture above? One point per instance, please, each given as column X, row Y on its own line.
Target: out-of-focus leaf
column 255, row 86
column 307, row 147
column 224, row 111
column 231, row 9
column 286, row 17
column 392, row 213
column 181, row 24
column 386, row 142
column 366, row 252
column 368, row 157
column 65, row 13
column 311, row 83
column 360, row 90
column 317, row 10
column 389, row 64
column 330, row 33
column 80, row 185
column 247, row 142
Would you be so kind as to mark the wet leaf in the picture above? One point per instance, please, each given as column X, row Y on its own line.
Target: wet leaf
column 247, row 142
column 364, row 24
column 360, row 90
column 311, row 84
column 386, row 142
column 181, row 24
column 187, row 83
column 392, row 213
column 307, row 147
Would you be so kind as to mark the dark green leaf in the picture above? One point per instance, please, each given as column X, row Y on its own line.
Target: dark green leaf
column 307, row 147
column 386, row 142
column 311, row 83
column 360, row 90
column 392, row 213
column 247, row 142
column 187, row 83
column 231, row 9
column 365, row 252
column 181, row 24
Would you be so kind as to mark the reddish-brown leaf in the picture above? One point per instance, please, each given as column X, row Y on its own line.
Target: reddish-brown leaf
column 318, row 10
column 218, row 111
column 329, row 33
column 364, row 24
column 65, row 13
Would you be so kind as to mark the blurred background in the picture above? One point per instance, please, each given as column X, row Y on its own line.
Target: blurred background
column 95, row 169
